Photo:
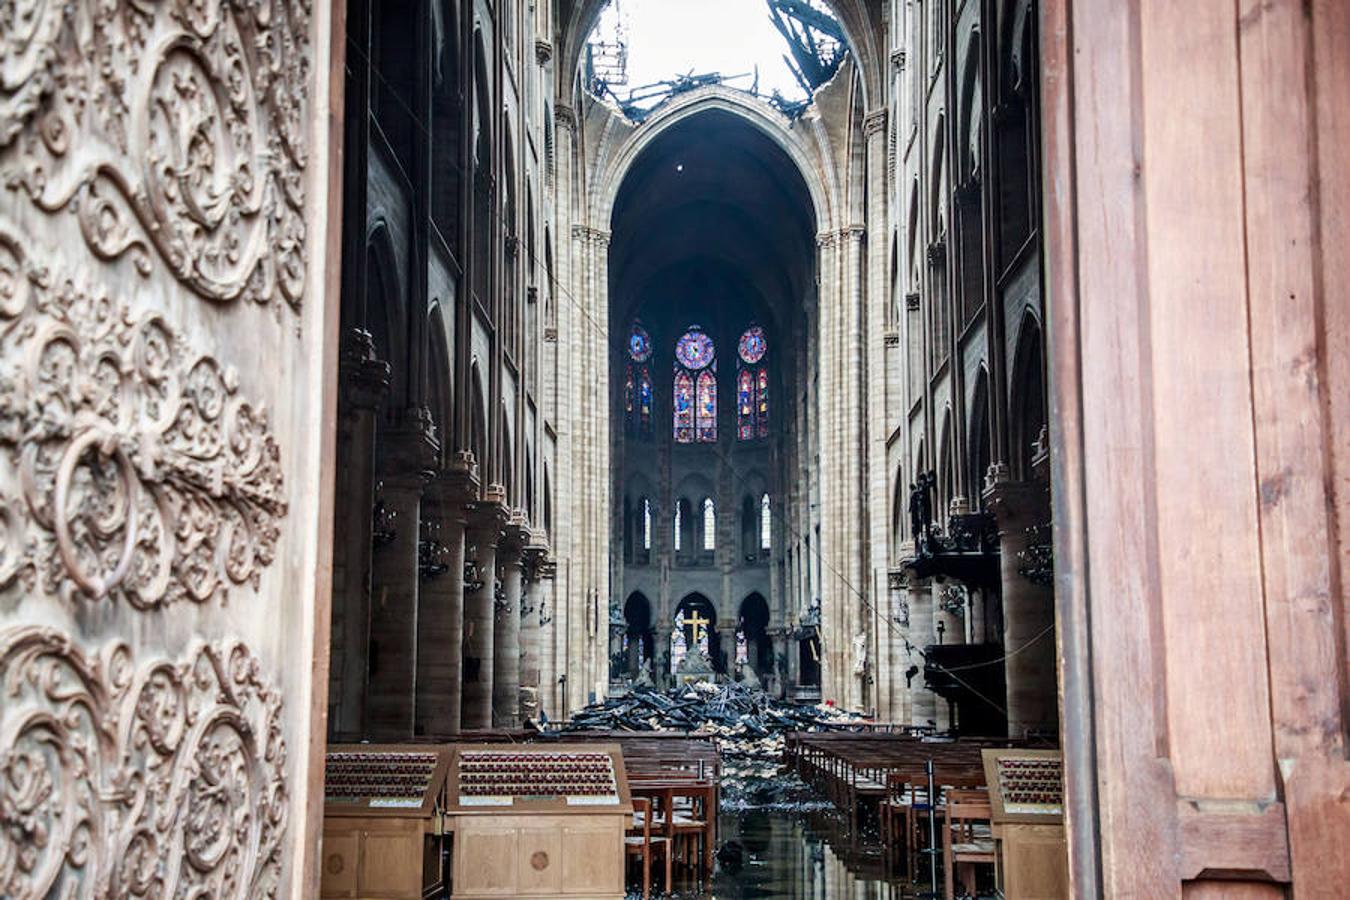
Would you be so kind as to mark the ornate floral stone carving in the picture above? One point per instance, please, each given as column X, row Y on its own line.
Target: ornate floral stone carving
column 130, row 466
column 174, row 130
column 127, row 777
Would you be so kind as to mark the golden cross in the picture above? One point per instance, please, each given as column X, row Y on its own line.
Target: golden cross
column 698, row 622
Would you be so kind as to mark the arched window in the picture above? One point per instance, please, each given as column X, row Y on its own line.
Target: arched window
column 765, row 524
column 695, row 417
column 707, row 407
column 684, row 407
column 646, row 524
column 709, row 525
column 679, row 526
column 637, row 384
column 752, row 386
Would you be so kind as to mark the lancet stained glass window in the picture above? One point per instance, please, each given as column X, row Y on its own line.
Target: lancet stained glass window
column 709, row 525
column 707, row 407
column 752, row 385
column 765, row 523
column 637, row 385
column 695, row 390
column 684, row 407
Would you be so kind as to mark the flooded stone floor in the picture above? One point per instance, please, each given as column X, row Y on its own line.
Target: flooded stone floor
column 792, row 850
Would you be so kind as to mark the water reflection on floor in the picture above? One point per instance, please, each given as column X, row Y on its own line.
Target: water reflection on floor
column 797, row 852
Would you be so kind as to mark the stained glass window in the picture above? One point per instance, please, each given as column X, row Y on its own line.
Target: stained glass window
column 765, row 523
column 647, row 524
column 644, row 402
column 753, row 345
column 639, row 344
column 745, row 405
column 707, row 407
column 637, row 385
column 709, row 525
column 762, row 396
column 752, row 385
column 684, row 407
column 695, row 418
column 678, row 517
column 694, row 349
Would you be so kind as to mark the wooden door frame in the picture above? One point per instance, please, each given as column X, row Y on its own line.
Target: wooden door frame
column 1069, row 498
column 1131, row 829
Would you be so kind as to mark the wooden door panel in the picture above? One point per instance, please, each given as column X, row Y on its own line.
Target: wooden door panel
column 1198, row 443
column 164, row 225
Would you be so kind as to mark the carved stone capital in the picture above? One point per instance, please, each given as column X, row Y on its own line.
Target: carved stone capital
column 365, row 377
column 543, row 52
column 487, row 520
column 565, row 117
column 586, row 234
column 1018, row 504
column 456, row 484
column 912, row 300
column 874, row 123
column 898, row 58
column 937, row 254
column 409, row 448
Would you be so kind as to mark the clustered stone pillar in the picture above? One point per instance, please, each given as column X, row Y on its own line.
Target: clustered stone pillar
column 394, row 597
column 1028, row 611
column 365, row 381
column 531, row 628
column 922, row 701
column 440, row 633
column 506, row 652
column 486, row 523
column 776, row 678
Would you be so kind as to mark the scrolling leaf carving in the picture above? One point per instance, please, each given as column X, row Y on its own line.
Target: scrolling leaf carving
column 171, row 129
column 126, row 777
column 130, row 466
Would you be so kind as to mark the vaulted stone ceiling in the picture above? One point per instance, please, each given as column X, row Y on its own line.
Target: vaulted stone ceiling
column 713, row 212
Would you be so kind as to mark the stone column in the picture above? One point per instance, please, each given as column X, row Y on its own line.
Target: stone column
column 923, row 702
column 408, row 456
column 440, row 635
column 487, row 519
column 506, row 627
column 537, row 571
column 776, row 679
column 726, row 640
column 1028, row 610
column 365, row 381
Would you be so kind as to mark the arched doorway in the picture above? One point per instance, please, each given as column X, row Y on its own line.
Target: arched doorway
column 639, row 640
column 695, row 620
column 753, row 624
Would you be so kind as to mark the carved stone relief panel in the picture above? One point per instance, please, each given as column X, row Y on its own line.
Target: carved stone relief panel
column 175, row 131
column 163, row 222
column 123, row 776
column 136, row 469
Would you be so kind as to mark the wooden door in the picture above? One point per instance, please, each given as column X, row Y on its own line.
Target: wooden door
column 1196, row 196
column 166, row 348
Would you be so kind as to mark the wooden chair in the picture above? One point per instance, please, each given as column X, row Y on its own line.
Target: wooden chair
column 897, row 814
column 690, row 825
column 639, row 841
column 966, row 838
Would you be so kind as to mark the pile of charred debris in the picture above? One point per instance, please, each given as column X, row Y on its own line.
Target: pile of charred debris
column 747, row 725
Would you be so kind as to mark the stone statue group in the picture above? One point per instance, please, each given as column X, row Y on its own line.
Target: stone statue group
column 922, row 493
